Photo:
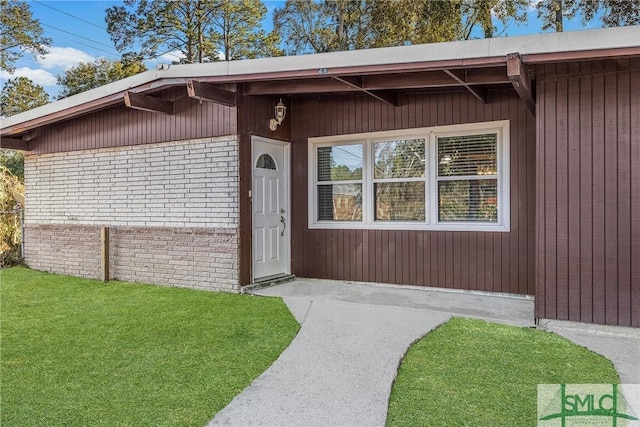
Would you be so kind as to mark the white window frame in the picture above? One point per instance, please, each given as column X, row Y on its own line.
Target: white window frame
column 430, row 134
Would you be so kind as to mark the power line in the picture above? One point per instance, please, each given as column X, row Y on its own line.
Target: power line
column 75, row 35
column 68, row 14
column 88, row 45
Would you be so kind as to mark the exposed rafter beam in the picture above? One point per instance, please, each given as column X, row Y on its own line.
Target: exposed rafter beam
column 358, row 83
column 517, row 73
column 14, row 144
column 138, row 101
column 395, row 81
column 212, row 93
column 460, row 77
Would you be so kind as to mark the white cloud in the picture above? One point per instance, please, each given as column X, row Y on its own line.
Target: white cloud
column 40, row 77
column 172, row 56
column 64, row 57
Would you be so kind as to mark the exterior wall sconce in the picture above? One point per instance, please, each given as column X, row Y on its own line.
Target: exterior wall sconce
column 280, row 114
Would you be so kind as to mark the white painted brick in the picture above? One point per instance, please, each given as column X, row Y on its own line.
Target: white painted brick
column 153, row 185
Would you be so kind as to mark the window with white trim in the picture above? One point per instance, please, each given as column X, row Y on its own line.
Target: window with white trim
column 440, row 178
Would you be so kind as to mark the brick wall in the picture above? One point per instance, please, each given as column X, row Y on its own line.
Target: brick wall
column 172, row 209
column 183, row 184
column 62, row 249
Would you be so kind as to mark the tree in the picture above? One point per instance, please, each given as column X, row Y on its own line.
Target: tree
column 552, row 13
column 311, row 26
column 21, row 94
column 613, row 13
column 202, row 30
column 307, row 26
column 10, row 211
column 482, row 13
column 302, row 25
column 19, row 33
column 234, row 31
column 397, row 23
column 85, row 76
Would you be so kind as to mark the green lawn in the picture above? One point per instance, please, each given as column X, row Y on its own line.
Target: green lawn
column 81, row 352
column 474, row 373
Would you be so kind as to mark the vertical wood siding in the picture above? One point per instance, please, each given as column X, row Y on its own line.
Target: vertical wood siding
column 121, row 126
column 485, row 261
column 588, row 182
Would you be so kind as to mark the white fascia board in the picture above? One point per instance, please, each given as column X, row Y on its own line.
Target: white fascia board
column 575, row 41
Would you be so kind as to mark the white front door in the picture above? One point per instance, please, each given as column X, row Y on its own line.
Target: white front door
column 270, row 202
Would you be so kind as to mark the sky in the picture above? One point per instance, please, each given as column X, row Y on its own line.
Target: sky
column 78, row 31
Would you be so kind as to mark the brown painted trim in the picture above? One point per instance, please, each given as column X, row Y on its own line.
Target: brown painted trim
column 209, row 92
column 14, row 144
column 138, row 101
column 358, row 83
column 244, row 171
column 410, row 80
column 521, row 81
column 459, row 75
column 584, row 55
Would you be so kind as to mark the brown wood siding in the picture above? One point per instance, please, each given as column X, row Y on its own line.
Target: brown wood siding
column 120, row 126
column 485, row 261
column 588, row 182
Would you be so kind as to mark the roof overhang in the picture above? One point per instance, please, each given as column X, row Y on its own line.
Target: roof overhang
column 464, row 63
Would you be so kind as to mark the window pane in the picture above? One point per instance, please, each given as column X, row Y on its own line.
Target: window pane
column 340, row 202
column 399, row 201
column 467, row 155
column 265, row 161
column 399, row 159
column 340, row 163
column 468, row 200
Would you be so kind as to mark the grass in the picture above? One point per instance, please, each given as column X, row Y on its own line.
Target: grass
column 81, row 352
column 474, row 373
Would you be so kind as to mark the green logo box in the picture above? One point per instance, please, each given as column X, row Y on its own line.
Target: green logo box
column 573, row 405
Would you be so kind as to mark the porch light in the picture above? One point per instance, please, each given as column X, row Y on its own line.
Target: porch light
column 280, row 114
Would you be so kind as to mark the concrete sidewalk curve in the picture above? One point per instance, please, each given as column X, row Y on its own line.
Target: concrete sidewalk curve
column 339, row 369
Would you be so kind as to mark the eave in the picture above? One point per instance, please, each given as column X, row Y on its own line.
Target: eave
column 471, row 65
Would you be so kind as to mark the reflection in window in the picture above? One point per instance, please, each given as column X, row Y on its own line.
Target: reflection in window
column 399, row 159
column 468, row 200
column 340, row 163
column 399, row 201
column 340, row 202
column 265, row 161
column 339, row 170
column 398, row 180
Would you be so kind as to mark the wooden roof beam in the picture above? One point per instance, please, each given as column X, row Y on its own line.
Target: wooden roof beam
column 211, row 93
column 291, row 87
column 460, row 76
column 138, row 101
column 517, row 73
column 358, row 83
column 15, row 144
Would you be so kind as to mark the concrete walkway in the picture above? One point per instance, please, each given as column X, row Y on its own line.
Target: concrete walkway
column 339, row 369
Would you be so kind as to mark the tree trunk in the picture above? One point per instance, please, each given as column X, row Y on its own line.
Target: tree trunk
column 557, row 5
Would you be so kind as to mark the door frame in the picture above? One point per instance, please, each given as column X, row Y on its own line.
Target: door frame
column 287, row 198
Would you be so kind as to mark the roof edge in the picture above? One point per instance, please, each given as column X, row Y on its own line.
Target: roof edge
column 534, row 48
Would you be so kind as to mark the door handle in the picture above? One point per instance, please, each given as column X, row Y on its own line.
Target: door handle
column 284, row 225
